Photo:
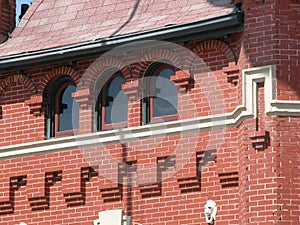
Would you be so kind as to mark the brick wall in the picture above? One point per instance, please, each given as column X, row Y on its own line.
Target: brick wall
column 270, row 37
column 7, row 20
column 251, row 170
column 288, row 179
column 68, row 181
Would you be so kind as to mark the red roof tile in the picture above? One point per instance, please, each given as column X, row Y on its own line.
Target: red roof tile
column 55, row 23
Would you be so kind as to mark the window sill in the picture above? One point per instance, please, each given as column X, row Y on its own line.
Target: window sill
column 124, row 135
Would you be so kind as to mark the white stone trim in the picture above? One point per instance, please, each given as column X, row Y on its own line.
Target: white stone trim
column 251, row 78
column 126, row 134
column 248, row 109
column 266, row 74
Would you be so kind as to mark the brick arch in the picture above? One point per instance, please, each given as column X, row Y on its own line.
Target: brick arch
column 52, row 77
column 60, row 71
column 57, row 72
column 215, row 44
column 96, row 73
column 19, row 79
column 158, row 55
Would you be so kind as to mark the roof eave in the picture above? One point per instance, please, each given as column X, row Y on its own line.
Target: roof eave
column 216, row 26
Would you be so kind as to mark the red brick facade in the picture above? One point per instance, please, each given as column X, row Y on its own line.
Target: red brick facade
column 7, row 22
column 239, row 149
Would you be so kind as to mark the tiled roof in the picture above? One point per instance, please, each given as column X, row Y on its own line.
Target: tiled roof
column 55, row 23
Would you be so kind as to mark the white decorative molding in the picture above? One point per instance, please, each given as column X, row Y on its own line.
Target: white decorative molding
column 284, row 108
column 266, row 74
column 248, row 109
column 124, row 135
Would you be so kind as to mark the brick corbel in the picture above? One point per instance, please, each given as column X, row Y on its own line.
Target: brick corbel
column 182, row 80
column 133, row 89
column 260, row 140
column 232, row 72
column 35, row 104
column 84, row 97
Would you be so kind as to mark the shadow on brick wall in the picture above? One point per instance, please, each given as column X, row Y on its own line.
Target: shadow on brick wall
column 78, row 198
column 193, row 184
column 43, row 202
column 8, row 207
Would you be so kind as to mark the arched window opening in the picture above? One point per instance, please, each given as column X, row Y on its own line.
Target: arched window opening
column 160, row 96
column 112, row 104
column 63, row 116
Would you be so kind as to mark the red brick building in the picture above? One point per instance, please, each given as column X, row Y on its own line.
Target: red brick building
column 151, row 108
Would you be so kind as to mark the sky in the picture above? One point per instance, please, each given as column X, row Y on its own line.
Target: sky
column 18, row 9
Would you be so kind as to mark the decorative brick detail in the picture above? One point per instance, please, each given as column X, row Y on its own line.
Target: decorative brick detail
column 125, row 168
column 85, row 97
column 112, row 194
column 251, row 182
column 133, row 89
column 43, row 202
column 232, row 72
column 65, row 70
column 260, row 140
column 229, row 179
column 193, row 184
column 19, row 79
column 217, row 44
column 138, row 69
column 101, row 70
column 7, row 207
column 56, row 73
column 155, row 189
column 182, row 80
column 78, row 197
column 115, row 193
column 35, row 104
column 157, row 55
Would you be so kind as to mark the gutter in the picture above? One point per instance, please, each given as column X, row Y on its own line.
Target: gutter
column 213, row 27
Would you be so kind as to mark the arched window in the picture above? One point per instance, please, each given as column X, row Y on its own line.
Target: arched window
column 63, row 114
column 112, row 104
column 160, row 96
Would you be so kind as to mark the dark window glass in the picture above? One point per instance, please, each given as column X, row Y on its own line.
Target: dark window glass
column 112, row 104
column 165, row 101
column 63, row 114
column 160, row 96
column 68, row 110
column 116, row 107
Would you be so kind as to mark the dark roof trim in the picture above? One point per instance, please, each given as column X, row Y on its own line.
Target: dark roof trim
column 221, row 25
